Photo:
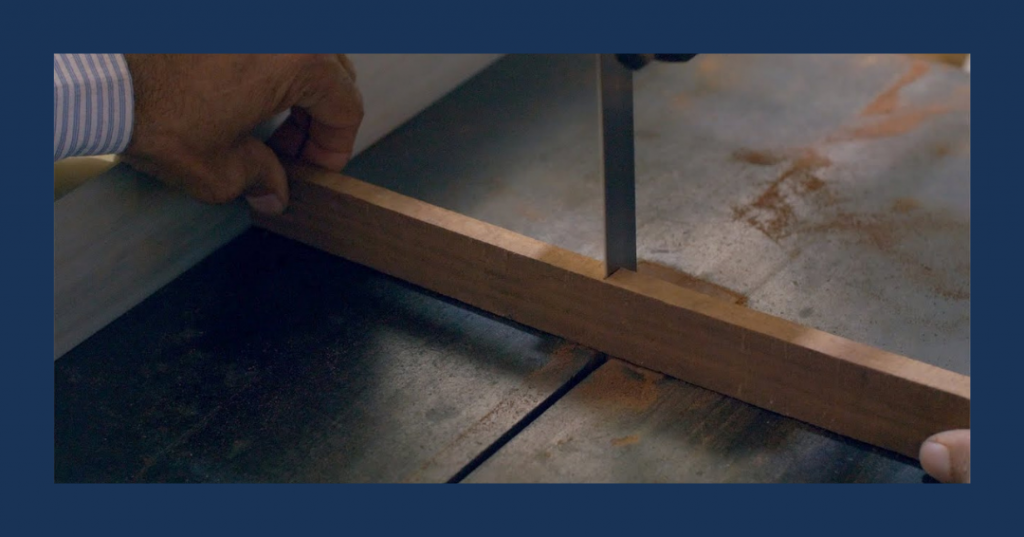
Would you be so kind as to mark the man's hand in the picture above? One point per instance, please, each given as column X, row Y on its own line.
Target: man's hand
column 947, row 456
column 195, row 114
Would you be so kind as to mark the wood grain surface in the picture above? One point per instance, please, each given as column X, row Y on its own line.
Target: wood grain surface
column 874, row 396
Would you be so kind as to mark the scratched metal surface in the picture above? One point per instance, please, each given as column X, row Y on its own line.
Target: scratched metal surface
column 833, row 191
column 274, row 362
column 627, row 425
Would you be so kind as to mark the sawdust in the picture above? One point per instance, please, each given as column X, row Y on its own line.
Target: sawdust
column 942, row 150
column 885, row 117
column 758, row 158
column 888, row 232
column 682, row 279
column 905, row 205
column 773, row 211
column 562, row 363
column 799, row 201
column 879, row 233
column 953, row 148
column 895, row 124
column 622, row 386
column 887, row 101
column 626, row 440
column 949, row 148
column 811, row 183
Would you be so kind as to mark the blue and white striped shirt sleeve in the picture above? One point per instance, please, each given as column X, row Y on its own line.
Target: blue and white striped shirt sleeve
column 93, row 105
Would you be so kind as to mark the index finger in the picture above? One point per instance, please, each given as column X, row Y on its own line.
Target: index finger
column 335, row 107
column 347, row 64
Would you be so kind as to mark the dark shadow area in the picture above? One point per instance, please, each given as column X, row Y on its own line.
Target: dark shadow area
column 269, row 355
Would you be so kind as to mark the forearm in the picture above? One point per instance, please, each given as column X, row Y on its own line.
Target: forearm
column 93, row 105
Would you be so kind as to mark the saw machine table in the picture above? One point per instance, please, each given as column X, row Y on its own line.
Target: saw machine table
column 832, row 191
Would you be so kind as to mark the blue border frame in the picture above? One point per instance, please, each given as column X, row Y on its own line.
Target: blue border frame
column 526, row 26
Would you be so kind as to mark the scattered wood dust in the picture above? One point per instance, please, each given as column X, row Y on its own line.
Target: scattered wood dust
column 621, row 385
column 886, row 117
column 895, row 124
column 888, row 232
column 799, row 200
column 626, row 440
column 905, row 205
column 758, row 158
column 682, row 279
column 773, row 211
column 563, row 362
column 887, row 101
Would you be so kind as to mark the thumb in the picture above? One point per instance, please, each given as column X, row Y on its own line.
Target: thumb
column 947, row 456
column 266, row 183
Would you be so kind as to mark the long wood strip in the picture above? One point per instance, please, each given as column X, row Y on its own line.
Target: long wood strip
column 852, row 389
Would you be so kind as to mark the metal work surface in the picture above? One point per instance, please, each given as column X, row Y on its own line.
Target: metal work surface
column 803, row 182
column 833, row 191
column 623, row 424
column 271, row 361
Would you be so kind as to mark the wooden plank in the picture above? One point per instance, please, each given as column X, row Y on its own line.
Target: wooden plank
column 865, row 393
column 119, row 236
column 622, row 423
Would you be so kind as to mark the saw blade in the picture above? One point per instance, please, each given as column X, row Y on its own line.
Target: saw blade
column 615, row 103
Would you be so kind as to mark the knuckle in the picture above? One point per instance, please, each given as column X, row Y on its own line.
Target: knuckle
column 312, row 63
column 356, row 105
column 349, row 67
column 216, row 192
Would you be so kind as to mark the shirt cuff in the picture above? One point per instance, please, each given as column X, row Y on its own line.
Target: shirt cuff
column 93, row 105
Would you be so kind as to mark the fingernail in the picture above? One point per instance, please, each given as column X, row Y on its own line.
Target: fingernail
column 935, row 460
column 268, row 204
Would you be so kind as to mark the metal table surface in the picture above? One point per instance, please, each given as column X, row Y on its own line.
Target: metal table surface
column 833, row 191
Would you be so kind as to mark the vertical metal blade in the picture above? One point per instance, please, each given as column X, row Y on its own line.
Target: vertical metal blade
column 615, row 102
